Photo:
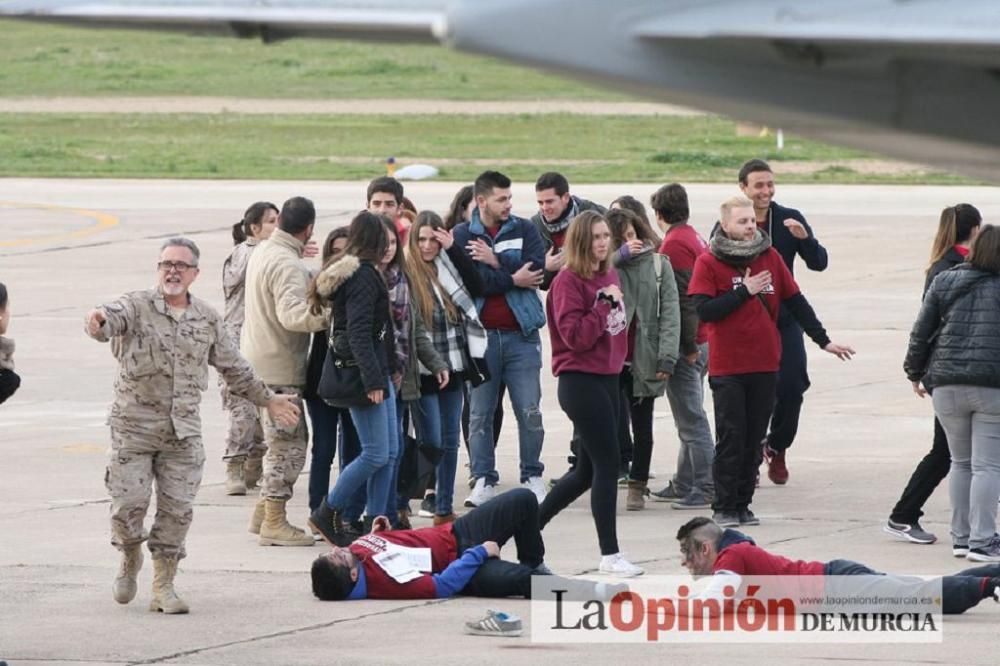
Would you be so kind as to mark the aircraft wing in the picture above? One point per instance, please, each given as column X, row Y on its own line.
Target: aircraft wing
column 914, row 79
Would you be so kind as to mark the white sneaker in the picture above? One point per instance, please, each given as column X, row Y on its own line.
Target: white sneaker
column 537, row 486
column 617, row 565
column 481, row 493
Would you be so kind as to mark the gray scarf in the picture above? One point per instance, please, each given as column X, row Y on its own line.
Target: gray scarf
column 562, row 224
column 738, row 253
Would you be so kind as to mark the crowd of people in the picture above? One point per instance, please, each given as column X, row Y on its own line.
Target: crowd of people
column 406, row 340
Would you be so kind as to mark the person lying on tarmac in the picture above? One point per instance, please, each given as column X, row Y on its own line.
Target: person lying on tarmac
column 728, row 555
column 446, row 560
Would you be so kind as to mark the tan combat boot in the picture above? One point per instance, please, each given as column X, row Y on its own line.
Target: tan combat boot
column 165, row 598
column 258, row 517
column 253, row 469
column 125, row 584
column 276, row 530
column 636, row 499
column 235, row 485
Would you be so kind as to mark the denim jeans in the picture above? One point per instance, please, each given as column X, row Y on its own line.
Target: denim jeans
column 970, row 416
column 378, row 432
column 516, row 361
column 686, row 394
column 437, row 419
column 349, row 449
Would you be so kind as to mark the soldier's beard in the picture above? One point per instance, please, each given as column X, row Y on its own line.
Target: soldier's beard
column 173, row 289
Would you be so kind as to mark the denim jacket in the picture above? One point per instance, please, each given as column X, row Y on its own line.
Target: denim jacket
column 517, row 243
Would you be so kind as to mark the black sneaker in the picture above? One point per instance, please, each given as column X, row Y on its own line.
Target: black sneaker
column 726, row 518
column 988, row 553
column 747, row 517
column 428, row 506
column 911, row 532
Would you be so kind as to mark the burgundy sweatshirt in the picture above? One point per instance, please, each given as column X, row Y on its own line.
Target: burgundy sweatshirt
column 587, row 334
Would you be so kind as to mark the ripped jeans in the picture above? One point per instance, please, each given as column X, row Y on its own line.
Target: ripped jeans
column 515, row 360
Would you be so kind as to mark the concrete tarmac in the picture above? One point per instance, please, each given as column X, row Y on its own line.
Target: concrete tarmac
column 67, row 245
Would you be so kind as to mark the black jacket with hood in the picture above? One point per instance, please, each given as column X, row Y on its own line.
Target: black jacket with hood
column 361, row 322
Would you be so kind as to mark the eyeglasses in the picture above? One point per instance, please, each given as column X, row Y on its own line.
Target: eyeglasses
column 179, row 266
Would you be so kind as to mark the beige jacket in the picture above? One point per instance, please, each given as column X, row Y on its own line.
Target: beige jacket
column 163, row 363
column 275, row 335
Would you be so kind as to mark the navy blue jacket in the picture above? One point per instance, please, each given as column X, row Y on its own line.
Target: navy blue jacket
column 517, row 243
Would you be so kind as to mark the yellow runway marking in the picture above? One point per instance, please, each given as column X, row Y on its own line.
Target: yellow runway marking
column 101, row 222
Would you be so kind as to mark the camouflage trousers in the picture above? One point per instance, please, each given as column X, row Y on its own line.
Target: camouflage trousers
column 245, row 437
column 286, row 449
column 138, row 459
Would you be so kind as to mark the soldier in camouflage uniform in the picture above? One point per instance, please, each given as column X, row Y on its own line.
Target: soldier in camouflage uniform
column 245, row 446
column 275, row 339
column 165, row 340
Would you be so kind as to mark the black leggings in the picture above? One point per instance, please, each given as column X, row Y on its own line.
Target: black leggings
column 9, row 383
column 592, row 403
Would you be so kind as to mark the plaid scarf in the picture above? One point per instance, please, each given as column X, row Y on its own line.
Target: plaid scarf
column 451, row 283
column 399, row 305
column 447, row 336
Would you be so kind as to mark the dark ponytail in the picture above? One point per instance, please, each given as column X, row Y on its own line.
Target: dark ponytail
column 239, row 233
column 254, row 215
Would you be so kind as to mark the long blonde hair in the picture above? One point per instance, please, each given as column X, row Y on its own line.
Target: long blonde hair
column 579, row 245
column 956, row 226
column 423, row 274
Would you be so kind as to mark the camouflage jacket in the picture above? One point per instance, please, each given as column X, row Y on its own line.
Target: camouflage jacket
column 6, row 353
column 234, row 276
column 163, row 362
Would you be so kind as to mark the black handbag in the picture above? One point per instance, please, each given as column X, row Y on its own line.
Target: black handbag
column 418, row 463
column 340, row 383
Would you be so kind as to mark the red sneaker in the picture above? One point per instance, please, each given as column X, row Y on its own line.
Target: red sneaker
column 776, row 469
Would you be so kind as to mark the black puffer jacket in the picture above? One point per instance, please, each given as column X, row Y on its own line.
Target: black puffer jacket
column 361, row 317
column 950, row 259
column 956, row 338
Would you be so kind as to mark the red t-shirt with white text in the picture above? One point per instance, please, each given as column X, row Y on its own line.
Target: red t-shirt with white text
column 747, row 339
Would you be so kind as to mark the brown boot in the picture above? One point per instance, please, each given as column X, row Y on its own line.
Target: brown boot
column 253, row 469
column 257, row 518
column 235, row 485
column 276, row 530
column 125, row 587
column 165, row 598
column 636, row 499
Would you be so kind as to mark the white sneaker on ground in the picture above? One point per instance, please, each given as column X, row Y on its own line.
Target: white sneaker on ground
column 617, row 565
column 481, row 493
column 537, row 486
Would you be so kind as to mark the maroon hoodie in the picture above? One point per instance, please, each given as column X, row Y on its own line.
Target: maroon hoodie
column 587, row 334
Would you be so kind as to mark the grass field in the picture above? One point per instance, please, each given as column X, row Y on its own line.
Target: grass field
column 43, row 60
column 585, row 148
